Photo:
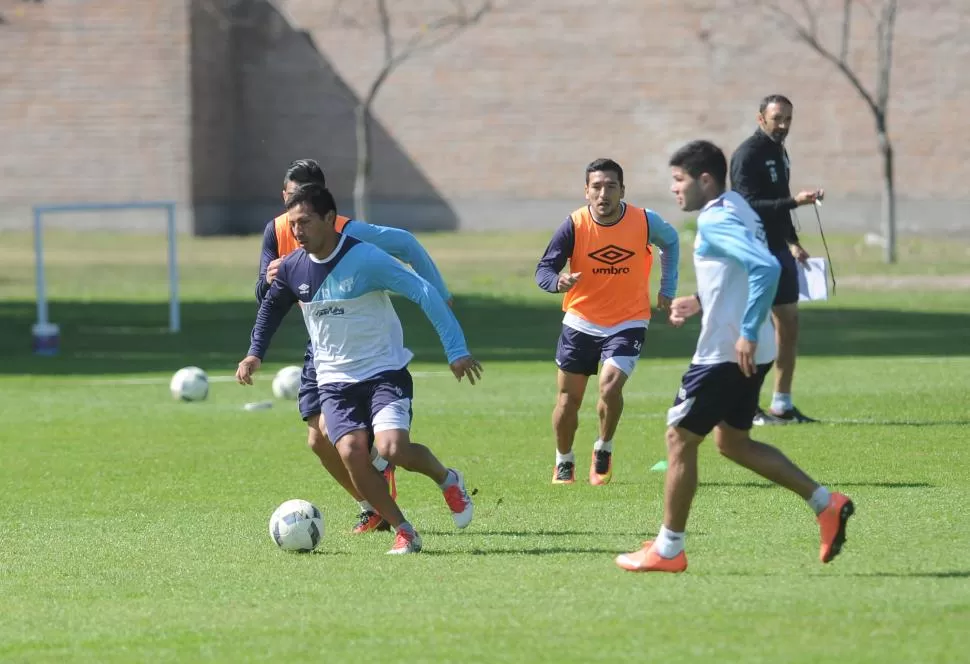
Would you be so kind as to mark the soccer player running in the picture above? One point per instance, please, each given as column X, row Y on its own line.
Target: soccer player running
column 607, row 303
column 736, row 279
column 760, row 173
column 359, row 354
column 278, row 242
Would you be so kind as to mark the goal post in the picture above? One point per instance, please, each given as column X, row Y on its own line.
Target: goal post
column 46, row 332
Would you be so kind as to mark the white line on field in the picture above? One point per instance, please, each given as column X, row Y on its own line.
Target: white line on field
column 156, row 380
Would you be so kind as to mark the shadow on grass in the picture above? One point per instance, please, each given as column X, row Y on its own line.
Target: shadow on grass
column 951, row 574
column 916, row 574
column 324, row 552
column 539, row 533
column 898, row 423
column 537, row 551
column 130, row 337
column 876, row 485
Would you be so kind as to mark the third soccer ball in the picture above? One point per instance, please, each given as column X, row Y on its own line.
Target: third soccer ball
column 189, row 384
column 286, row 383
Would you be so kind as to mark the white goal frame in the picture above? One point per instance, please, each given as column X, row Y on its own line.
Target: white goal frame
column 40, row 211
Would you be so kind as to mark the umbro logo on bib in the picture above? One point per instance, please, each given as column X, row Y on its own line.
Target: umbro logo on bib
column 611, row 255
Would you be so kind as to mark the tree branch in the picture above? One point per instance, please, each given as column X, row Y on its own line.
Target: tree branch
column 386, row 31
column 420, row 40
column 887, row 23
column 810, row 16
column 809, row 36
column 456, row 23
column 846, row 23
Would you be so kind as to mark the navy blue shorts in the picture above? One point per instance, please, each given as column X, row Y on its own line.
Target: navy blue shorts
column 309, row 397
column 377, row 404
column 788, row 279
column 714, row 393
column 581, row 353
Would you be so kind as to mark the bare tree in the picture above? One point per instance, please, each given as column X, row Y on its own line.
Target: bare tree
column 876, row 96
column 426, row 38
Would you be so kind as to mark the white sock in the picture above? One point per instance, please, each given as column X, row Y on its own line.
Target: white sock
column 406, row 526
column 669, row 543
column 450, row 478
column 366, row 506
column 605, row 445
column 565, row 458
column 819, row 500
column 380, row 463
column 781, row 402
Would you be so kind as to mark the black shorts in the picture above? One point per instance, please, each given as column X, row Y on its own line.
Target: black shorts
column 788, row 279
column 714, row 393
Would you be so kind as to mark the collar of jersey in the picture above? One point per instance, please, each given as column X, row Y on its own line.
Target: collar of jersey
column 618, row 219
column 333, row 253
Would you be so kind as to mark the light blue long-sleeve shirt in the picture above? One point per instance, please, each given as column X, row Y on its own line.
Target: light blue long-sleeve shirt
column 354, row 331
column 397, row 242
column 736, row 281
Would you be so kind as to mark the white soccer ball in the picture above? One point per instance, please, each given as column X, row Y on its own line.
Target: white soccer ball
column 189, row 384
column 286, row 383
column 296, row 525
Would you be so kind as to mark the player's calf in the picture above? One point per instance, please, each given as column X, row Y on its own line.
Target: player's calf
column 396, row 446
column 354, row 450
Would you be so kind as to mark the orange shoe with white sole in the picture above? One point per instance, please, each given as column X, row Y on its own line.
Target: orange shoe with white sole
column 648, row 559
column 601, row 468
column 831, row 524
column 368, row 522
column 405, row 542
column 564, row 473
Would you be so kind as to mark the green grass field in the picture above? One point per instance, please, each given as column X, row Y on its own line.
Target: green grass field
column 134, row 528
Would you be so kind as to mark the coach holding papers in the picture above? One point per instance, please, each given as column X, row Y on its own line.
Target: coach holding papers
column 760, row 173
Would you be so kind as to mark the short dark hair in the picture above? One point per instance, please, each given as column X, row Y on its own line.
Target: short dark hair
column 303, row 171
column 601, row 165
column 699, row 157
column 316, row 197
column 774, row 99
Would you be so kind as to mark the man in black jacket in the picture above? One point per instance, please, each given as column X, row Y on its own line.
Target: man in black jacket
column 759, row 172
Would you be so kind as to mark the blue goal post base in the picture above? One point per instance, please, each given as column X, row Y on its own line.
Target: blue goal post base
column 43, row 320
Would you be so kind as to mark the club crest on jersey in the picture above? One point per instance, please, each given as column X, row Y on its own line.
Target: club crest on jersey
column 346, row 285
column 612, row 256
column 772, row 170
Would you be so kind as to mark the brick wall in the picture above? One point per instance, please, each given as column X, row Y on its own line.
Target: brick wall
column 95, row 105
column 114, row 100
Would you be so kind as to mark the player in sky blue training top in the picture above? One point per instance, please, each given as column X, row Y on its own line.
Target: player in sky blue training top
column 359, row 354
column 736, row 280
column 278, row 242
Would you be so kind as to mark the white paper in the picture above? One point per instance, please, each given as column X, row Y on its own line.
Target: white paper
column 813, row 283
